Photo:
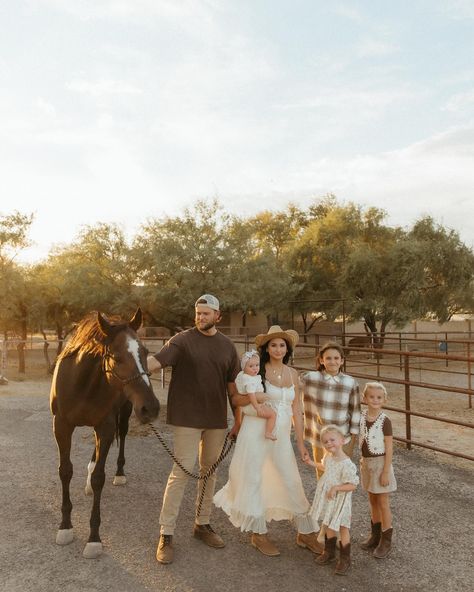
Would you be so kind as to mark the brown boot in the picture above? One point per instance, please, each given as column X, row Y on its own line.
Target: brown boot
column 329, row 553
column 206, row 534
column 264, row 545
column 164, row 552
column 374, row 537
column 385, row 545
column 344, row 563
column 310, row 541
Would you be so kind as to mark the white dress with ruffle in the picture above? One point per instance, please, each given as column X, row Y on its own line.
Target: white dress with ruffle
column 335, row 512
column 264, row 482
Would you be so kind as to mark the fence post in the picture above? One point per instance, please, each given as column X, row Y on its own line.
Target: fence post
column 407, row 400
column 469, row 377
column 400, row 349
column 447, row 349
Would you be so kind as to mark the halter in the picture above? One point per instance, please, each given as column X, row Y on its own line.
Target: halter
column 107, row 370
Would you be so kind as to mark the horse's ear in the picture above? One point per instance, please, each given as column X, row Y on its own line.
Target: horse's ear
column 104, row 324
column 136, row 321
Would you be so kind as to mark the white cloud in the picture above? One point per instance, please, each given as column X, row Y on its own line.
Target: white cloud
column 103, row 87
column 368, row 48
column 461, row 102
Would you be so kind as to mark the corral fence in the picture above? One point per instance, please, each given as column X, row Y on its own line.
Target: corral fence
column 435, row 363
column 411, row 370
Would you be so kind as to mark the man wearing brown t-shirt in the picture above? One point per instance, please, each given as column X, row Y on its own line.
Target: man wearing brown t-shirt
column 205, row 365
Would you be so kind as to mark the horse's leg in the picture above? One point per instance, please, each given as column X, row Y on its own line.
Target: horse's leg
column 90, row 469
column 63, row 433
column 124, row 416
column 104, row 435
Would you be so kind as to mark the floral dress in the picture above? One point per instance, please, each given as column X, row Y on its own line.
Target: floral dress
column 335, row 512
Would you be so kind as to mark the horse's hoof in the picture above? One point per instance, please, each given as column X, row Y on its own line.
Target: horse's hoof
column 88, row 489
column 119, row 480
column 65, row 536
column 92, row 550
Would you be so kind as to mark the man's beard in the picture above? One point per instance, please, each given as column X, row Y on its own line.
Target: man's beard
column 206, row 327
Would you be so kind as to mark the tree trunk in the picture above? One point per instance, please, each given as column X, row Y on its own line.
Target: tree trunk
column 21, row 348
column 45, row 351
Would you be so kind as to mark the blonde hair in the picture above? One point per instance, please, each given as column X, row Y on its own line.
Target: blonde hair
column 332, row 428
column 375, row 385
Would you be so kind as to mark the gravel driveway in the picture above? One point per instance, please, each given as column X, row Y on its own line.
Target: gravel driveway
column 433, row 523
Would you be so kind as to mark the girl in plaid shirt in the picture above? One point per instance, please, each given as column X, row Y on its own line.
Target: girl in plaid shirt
column 330, row 398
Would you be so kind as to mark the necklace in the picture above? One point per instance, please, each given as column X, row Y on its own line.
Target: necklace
column 276, row 373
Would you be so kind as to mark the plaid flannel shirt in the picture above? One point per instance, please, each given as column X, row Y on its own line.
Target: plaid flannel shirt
column 330, row 400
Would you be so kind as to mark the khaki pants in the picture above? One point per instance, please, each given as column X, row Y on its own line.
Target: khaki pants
column 188, row 444
column 318, row 454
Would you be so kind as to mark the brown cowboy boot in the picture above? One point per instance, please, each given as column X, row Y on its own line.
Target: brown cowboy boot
column 264, row 545
column 385, row 545
column 310, row 541
column 374, row 537
column 344, row 563
column 329, row 553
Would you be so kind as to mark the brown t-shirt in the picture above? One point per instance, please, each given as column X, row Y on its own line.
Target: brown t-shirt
column 202, row 367
column 386, row 430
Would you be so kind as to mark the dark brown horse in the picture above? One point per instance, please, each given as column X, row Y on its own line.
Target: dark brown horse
column 99, row 376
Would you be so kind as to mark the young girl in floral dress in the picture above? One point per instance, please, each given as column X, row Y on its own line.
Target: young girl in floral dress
column 333, row 498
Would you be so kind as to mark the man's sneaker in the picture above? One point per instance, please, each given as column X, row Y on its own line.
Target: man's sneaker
column 164, row 552
column 208, row 536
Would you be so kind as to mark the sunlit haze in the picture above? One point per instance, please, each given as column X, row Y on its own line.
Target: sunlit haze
column 121, row 110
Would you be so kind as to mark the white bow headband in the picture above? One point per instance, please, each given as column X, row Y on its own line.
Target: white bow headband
column 246, row 357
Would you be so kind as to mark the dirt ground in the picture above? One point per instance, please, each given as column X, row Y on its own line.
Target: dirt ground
column 433, row 521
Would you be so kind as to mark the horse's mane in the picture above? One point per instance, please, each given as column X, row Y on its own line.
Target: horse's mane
column 88, row 337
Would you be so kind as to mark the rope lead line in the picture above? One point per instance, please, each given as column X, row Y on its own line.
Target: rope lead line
column 226, row 448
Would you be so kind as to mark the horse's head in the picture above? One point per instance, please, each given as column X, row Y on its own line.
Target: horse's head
column 125, row 365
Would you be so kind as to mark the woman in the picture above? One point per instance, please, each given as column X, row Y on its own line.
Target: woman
column 264, row 483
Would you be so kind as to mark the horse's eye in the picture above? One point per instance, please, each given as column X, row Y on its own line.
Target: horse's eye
column 118, row 359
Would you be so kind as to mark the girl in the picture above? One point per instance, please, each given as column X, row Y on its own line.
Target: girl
column 264, row 482
column 249, row 382
column 330, row 397
column 333, row 497
column 376, row 471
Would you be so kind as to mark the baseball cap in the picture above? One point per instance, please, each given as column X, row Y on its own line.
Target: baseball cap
column 209, row 300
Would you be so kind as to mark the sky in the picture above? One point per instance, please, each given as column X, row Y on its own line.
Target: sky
column 125, row 110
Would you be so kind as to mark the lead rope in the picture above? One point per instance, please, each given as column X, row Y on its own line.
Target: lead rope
column 226, row 448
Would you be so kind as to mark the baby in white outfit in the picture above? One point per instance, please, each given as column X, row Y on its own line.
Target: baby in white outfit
column 249, row 382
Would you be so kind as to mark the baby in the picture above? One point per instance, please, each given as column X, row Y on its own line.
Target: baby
column 249, row 382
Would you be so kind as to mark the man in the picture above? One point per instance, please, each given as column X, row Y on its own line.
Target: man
column 205, row 365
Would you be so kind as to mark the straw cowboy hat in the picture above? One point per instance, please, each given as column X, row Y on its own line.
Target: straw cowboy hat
column 276, row 331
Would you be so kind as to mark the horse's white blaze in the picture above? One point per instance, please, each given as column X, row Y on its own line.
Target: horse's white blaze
column 90, row 469
column 133, row 348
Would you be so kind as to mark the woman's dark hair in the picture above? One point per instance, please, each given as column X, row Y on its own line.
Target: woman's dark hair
column 265, row 357
column 325, row 347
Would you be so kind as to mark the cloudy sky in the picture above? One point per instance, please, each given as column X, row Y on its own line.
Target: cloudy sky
column 120, row 110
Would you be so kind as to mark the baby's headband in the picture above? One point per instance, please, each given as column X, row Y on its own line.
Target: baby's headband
column 246, row 357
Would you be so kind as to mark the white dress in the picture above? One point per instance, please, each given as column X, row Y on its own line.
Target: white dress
column 264, row 482
column 336, row 512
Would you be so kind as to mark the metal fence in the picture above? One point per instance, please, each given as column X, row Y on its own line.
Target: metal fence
column 411, row 369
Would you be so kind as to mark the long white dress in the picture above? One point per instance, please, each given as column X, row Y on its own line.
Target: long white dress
column 336, row 512
column 264, row 482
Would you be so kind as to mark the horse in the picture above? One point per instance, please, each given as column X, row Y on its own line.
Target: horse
column 98, row 377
